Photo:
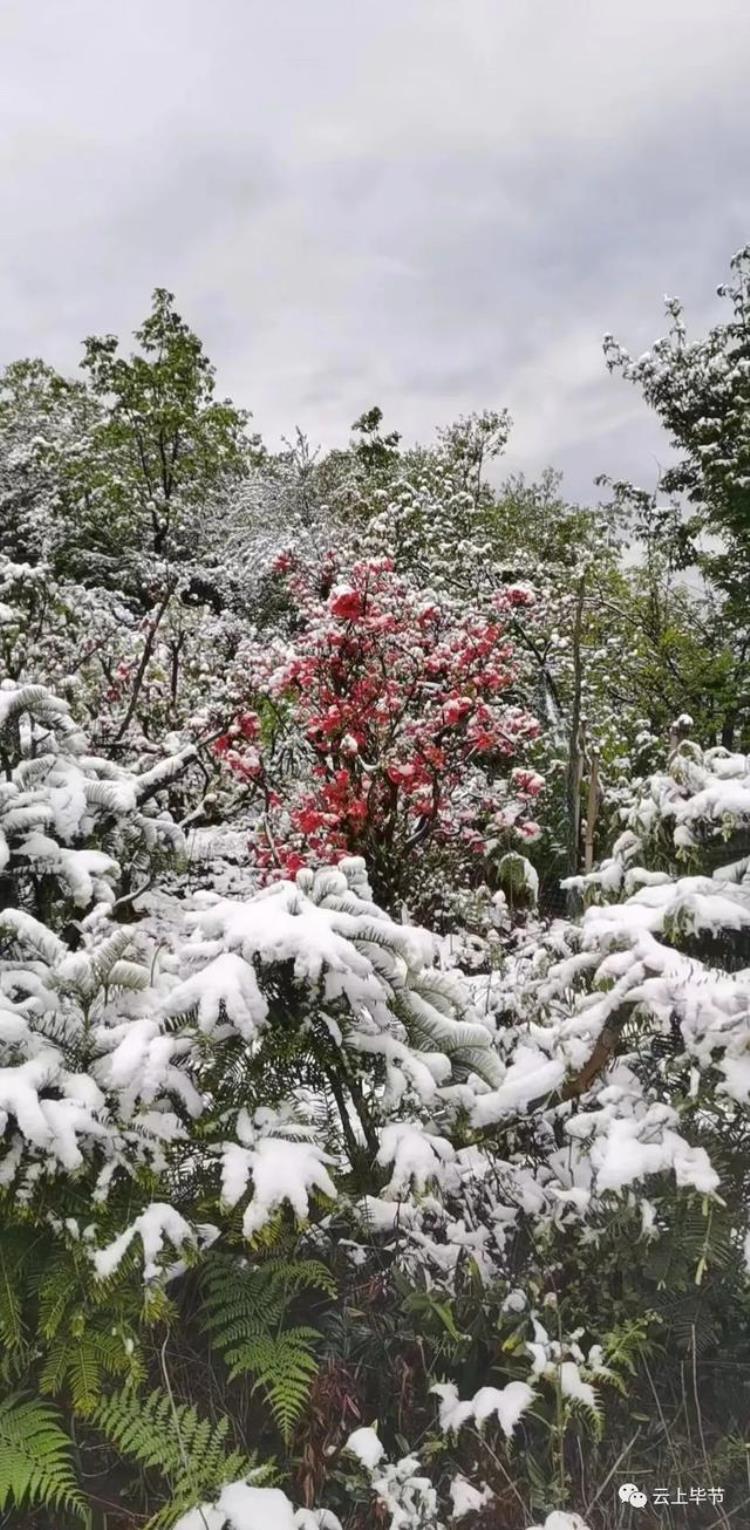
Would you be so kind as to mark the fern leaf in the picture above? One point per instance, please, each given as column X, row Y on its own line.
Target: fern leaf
column 244, row 1311
column 80, row 1362
column 190, row 1452
column 284, row 1366
column 56, row 1292
column 11, row 1326
column 35, row 1459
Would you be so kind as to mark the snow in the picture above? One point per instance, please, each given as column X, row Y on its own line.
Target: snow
column 736, row 1071
column 256, row 1508
column 417, row 1156
column 407, row 1494
column 628, row 1149
column 466, row 1499
column 531, row 1076
column 278, row 925
column 385, row 1216
column 158, row 1223
column 365, row 1445
column 228, row 984
column 452, row 1413
column 236, row 1168
column 19, row 1094
column 560, row 1520
column 507, row 1404
column 284, row 1171
column 242, row 1507
column 573, row 1385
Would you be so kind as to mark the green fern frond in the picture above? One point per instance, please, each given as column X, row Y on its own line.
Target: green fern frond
column 190, row 1452
column 306, row 1275
column 627, row 1344
column 244, row 1310
column 35, row 1459
column 81, row 1361
column 253, row 1298
column 592, row 1416
column 284, row 1366
column 58, row 1290
column 11, row 1321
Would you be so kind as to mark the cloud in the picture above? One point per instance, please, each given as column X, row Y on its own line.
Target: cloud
column 432, row 206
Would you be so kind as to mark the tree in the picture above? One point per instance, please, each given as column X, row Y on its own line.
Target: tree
column 45, row 420
column 700, row 390
column 471, row 442
column 166, row 448
column 133, row 467
column 374, row 450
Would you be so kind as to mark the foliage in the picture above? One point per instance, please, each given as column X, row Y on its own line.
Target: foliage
column 190, row 1452
column 245, row 1307
column 35, row 1459
column 303, row 1203
column 700, row 392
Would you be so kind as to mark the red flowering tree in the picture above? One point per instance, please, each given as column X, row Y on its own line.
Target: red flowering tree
column 387, row 729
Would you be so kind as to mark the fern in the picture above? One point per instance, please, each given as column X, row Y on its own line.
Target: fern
column 81, row 1361
column 591, row 1413
column 284, row 1366
column 11, row 1323
column 35, row 1459
column 191, row 1453
column 630, row 1341
column 57, row 1289
column 244, row 1310
column 84, row 1326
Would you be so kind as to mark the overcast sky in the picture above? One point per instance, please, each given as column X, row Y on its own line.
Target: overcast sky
column 434, row 205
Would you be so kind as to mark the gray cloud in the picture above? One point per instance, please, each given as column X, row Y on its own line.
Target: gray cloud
column 429, row 205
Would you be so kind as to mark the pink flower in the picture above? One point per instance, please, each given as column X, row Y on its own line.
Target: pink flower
column 345, row 603
column 529, row 829
column 528, row 782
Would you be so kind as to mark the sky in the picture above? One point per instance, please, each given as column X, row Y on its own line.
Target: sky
column 431, row 205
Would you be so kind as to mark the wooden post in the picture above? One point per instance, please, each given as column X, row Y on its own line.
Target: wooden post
column 575, row 746
column 592, row 811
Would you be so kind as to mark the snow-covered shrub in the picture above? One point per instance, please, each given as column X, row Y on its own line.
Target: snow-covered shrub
column 165, row 1111
column 146, row 1093
column 75, row 827
column 133, row 680
column 635, row 1023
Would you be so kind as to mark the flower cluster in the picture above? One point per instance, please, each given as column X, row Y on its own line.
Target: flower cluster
column 398, row 712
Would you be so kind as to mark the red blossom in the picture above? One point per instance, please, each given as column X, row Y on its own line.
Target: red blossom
column 401, row 705
column 528, row 782
column 345, row 603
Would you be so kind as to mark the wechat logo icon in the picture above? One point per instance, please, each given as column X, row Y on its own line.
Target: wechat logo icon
column 631, row 1494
